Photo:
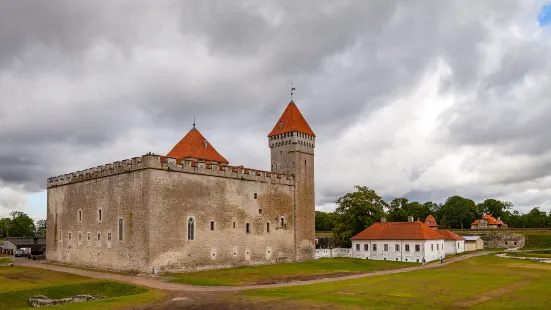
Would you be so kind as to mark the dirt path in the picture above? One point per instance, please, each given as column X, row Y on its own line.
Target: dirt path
column 490, row 295
column 159, row 283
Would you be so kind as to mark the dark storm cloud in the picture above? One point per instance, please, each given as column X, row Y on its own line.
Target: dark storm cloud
column 77, row 77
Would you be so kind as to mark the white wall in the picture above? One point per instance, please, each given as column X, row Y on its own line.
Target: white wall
column 454, row 246
column 400, row 253
column 330, row 253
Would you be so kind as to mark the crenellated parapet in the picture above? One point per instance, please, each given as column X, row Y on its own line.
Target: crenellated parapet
column 152, row 161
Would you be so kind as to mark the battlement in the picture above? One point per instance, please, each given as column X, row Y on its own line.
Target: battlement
column 152, row 161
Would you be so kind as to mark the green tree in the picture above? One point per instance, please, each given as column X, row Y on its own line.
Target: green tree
column 401, row 208
column 4, row 227
column 458, row 212
column 355, row 212
column 494, row 207
column 21, row 225
column 324, row 221
column 535, row 218
column 41, row 228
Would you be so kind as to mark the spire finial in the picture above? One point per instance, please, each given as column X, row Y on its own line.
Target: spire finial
column 292, row 89
column 193, row 121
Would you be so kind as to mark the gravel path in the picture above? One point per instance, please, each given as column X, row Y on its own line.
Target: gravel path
column 160, row 283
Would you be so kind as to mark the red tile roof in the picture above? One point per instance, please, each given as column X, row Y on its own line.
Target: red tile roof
column 449, row 235
column 291, row 120
column 431, row 221
column 194, row 145
column 398, row 231
column 490, row 219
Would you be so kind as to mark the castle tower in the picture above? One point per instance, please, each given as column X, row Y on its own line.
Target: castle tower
column 292, row 144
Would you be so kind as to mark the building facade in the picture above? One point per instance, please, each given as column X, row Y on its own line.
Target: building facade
column 453, row 243
column 473, row 243
column 487, row 221
column 399, row 241
column 189, row 210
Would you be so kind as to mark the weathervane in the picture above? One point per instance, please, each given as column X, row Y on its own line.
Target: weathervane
column 193, row 121
column 292, row 89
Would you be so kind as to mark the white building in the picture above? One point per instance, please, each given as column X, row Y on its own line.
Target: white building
column 409, row 241
column 453, row 243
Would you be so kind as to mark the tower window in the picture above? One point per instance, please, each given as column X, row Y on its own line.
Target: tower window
column 212, row 225
column 247, row 228
column 259, row 211
column 267, row 227
column 255, row 195
column 233, row 224
column 280, row 125
column 99, row 215
column 121, row 229
column 190, row 229
column 282, row 221
column 79, row 215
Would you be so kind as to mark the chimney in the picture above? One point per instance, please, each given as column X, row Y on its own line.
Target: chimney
column 410, row 218
column 383, row 220
column 499, row 218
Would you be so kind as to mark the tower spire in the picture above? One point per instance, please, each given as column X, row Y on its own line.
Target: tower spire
column 193, row 121
column 292, row 89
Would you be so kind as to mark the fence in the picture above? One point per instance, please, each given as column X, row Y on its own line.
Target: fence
column 336, row 252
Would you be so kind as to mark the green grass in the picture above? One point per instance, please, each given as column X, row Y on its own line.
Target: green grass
column 283, row 272
column 539, row 254
column 5, row 260
column 436, row 288
column 94, row 269
column 537, row 240
column 17, row 284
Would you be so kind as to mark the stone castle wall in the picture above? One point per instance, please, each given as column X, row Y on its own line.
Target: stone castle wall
column 155, row 196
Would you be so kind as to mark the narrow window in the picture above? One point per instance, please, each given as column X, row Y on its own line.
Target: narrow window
column 255, row 195
column 374, row 247
column 407, row 247
column 233, row 224
column 357, row 247
column 121, row 229
column 458, row 245
column 108, row 236
column 386, row 248
column 190, row 229
column 247, row 228
column 282, row 221
column 397, row 248
column 267, row 227
column 417, row 248
column 432, row 247
column 79, row 236
column 99, row 215
column 89, row 237
column 211, row 225
column 437, row 247
column 70, row 236
column 99, row 236
column 60, row 236
column 260, row 211
column 79, row 216
column 366, row 247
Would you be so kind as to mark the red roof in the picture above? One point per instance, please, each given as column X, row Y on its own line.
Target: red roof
column 431, row 221
column 194, row 145
column 398, row 231
column 291, row 120
column 449, row 235
column 490, row 219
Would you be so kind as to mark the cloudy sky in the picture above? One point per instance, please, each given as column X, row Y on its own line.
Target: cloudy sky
column 423, row 99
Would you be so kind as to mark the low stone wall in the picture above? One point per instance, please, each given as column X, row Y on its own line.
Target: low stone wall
column 497, row 240
column 330, row 253
column 43, row 301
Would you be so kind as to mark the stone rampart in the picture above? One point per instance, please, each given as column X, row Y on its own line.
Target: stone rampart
column 151, row 161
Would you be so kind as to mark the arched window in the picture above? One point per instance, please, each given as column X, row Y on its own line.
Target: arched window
column 190, row 229
column 247, row 228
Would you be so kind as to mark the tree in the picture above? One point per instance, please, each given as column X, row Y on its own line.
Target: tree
column 41, row 228
column 401, row 208
column 535, row 218
column 458, row 212
column 21, row 225
column 496, row 208
column 324, row 221
column 355, row 212
column 4, row 227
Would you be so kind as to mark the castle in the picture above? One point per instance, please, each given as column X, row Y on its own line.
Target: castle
column 189, row 210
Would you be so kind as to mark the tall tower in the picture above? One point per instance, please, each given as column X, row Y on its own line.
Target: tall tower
column 292, row 144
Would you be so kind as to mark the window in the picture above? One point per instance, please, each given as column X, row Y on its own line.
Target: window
column 438, row 247
column 89, row 236
column 259, row 211
column 397, row 247
column 282, row 221
column 60, row 236
column 99, row 215
column 458, row 245
column 386, row 248
column 515, row 243
column 417, row 248
column 374, row 247
column 366, row 247
column 121, row 229
column 255, row 196
column 79, row 215
column 506, row 243
column 233, row 224
column 357, row 247
column 407, row 247
column 211, row 225
column 190, row 229
column 70, row 236
column 432, row 247
column 247, row 228
column 79, row 236
column 267, row 227
column 108, row 236
column 99, row 236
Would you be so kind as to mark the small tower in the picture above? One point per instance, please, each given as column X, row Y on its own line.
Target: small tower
column 431, row 222
column 292, row 144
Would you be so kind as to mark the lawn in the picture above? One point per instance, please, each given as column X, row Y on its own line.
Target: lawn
column 539, row 254
column 5, row 260
column 284, row 272
column 17, row 284
column 537, row 240
column 485, row 282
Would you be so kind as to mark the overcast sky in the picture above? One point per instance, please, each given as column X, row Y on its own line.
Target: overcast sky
column 423, row 99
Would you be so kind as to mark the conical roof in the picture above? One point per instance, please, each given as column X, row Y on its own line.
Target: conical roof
column 194, row 145
column 291, row 120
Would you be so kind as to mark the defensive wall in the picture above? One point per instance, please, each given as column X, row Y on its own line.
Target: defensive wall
column 496, row 238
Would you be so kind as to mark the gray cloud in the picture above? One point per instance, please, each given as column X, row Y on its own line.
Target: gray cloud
column 83, row 84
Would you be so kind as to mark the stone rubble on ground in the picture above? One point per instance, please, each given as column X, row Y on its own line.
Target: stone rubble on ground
column 42, row 301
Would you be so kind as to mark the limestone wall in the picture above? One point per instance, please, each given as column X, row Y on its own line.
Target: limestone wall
column 498, row 239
